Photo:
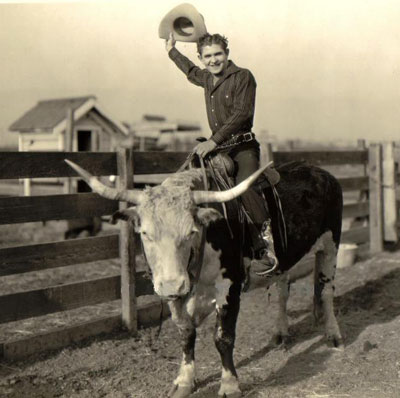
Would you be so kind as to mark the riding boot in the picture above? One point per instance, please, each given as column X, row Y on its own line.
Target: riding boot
column 266, row 262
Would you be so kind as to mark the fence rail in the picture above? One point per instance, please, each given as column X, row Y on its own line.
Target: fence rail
column 20, row 259
column 54, row 207
column 14, row 165
column 142, row 167
column 323, row 158
column 354, row 183
column 39, row 302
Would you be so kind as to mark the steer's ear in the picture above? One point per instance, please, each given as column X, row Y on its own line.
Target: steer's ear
column 129, row 214
column 206, row 216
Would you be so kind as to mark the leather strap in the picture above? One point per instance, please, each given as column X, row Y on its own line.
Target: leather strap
column 236, row 140
column 196, row 262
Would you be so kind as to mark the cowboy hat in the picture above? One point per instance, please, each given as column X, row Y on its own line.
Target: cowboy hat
column 185, row 22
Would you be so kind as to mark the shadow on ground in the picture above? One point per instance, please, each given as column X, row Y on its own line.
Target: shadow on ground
column 375, row 302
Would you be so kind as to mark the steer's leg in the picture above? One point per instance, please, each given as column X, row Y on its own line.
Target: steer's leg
column 282, row 324
column 224, row 337
column 324, row 277
column 184, row 384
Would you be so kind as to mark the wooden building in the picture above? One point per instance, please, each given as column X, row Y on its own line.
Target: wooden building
column 45, row 126
column 156, row 133
column 67, row 124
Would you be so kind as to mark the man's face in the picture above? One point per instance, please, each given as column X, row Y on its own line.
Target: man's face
column 214, row 58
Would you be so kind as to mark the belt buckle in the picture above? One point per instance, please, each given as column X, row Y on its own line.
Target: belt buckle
column 247, row 137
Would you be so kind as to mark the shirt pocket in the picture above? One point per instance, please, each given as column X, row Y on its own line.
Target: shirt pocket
column 227, row 99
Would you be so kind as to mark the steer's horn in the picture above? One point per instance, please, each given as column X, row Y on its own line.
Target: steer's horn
column 224, row 196
column 132, row 196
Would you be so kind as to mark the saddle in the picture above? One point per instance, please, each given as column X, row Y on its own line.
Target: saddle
column 221, row 167
column 224, row 165
column 219, row 171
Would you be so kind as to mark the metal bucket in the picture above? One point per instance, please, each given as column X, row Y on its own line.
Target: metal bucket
column 346, row 255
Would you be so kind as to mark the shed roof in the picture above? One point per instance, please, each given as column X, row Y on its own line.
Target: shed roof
column 50, row 115
column 47, row 114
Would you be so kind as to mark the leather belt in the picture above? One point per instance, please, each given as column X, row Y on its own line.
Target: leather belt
column 237, row 140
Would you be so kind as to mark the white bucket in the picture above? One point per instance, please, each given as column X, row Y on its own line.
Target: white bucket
column 346, row 255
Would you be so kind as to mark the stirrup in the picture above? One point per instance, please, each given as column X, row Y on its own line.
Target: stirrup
column 268, row 256
column 268, row 260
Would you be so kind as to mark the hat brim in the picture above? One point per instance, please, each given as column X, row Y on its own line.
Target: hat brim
column 185, row 22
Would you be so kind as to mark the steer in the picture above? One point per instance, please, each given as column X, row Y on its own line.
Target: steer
column 196, row 259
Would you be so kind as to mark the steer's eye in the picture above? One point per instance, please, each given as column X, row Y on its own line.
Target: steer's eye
column 193, row 232
column 146, row 236
column 190, row 236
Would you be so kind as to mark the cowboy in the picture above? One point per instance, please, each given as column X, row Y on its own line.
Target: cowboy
column 230, row 101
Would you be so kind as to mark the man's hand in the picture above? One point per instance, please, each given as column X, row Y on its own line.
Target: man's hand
column 204, row 148
column 170, row 42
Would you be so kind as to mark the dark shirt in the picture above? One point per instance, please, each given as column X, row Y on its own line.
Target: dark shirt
column 230, row 102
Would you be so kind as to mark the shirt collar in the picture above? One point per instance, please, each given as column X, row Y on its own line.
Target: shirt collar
column 229, row 70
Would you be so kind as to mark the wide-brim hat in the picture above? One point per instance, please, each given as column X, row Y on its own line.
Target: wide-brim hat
column 185, row 22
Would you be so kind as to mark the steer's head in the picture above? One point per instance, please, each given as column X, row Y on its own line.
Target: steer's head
column 170, row 226
column 170, row 223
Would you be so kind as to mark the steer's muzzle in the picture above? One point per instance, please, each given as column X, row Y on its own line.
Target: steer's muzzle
column 173, row 288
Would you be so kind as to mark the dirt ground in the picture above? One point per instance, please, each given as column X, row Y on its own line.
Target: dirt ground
column 121, row 366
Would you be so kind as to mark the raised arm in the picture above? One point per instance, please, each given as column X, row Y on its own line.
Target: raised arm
column 194, row 74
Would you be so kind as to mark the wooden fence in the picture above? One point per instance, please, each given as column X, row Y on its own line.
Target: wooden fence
column 377, row 202
column 151, row 167
column 21, row 259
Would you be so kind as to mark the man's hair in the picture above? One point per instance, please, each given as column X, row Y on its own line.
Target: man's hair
column 208, row 40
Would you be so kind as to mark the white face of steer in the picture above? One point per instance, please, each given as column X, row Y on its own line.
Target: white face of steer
column 169, row 228
column 167, row 243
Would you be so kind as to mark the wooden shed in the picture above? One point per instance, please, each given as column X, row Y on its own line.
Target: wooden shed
column 48, row 127
column 68, row 124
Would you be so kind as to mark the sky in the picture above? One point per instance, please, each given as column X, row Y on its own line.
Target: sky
column 325, row 70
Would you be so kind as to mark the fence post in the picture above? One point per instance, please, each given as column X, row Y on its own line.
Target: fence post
column 266, row 153
column 361, row 144
column 69, row 144
column 389, row 193
column 26, row 181
column 375, row 198
column 27, row 187
column 127, row 245
column 364, row 194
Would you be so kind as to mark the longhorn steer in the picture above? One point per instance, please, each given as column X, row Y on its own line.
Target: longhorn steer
column 170, row 222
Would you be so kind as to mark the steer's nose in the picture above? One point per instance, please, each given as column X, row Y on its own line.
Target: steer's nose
column 173, row 288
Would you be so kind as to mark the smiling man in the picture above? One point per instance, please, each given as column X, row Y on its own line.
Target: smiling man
column 230, row 93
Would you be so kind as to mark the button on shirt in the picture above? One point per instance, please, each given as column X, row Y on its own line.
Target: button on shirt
column 230, row 102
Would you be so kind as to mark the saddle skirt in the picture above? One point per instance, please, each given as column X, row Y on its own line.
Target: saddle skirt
column 220, row 169
column 219, row 172
column 223, row 165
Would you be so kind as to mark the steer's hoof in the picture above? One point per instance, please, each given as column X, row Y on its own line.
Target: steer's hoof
column 280, row 339
column 179, row 391
column 237, row 394
column 336, row 342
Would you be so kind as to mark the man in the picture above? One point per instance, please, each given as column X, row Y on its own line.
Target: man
column 230, row 101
